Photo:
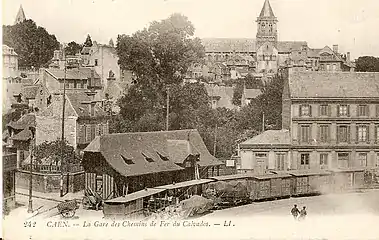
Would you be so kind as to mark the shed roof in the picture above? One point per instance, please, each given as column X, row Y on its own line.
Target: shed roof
column 334, row 85
column 118, row 149
column 185, row 184
column 136, row 195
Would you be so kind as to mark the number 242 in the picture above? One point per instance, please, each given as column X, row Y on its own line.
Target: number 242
column 29, row 224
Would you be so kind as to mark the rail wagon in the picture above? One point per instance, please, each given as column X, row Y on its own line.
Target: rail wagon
column 347, row 179
column 268, row 186
column 230, row 189
column 281, row 184
column 308, row 182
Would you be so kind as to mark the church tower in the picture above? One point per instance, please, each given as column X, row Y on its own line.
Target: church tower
column 267, row 26
column 20, row 16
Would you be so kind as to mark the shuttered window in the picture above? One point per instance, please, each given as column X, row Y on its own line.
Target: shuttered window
column 324, row 110
column 82, row 133
column 343, row 133
column 93, row 131
column 305, row 133
column 363, row 110
column 324, row 133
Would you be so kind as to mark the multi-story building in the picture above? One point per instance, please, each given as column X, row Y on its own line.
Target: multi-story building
column 332, row 121
column 266, row 55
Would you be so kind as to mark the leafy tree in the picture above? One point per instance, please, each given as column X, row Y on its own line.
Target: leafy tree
column 53, row 151
column 73, row 48
column 249, row 82
column 33, row 44
column 237, row 93
column 367, row 64
column 88, row 42
column 159, row 56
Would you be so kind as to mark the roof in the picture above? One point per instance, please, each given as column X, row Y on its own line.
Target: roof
column 135, row 147
column 308, row 172
column 73, row 73
column 251, row 93
column 270, row 137
column 82, row 110
column 86, row 50
column 246, row 45
column 24, row 135
column 231, row 177
column 20, row 16
column 30, row 92
column 271, row 175
column 136, row 195
column 179, row 150
column 185, row 184
column 313, row 52
column 342, row 170
column 24, row 122
column 334, row 85
column 288, row 46
column 267, row 10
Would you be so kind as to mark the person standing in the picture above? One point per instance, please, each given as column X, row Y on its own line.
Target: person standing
column 303, row 214
column 295, row 211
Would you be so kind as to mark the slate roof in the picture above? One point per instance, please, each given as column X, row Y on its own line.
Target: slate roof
column 24, row 135
column 246, row 45
column 267, row 10
column 179, row 150
column 74, row 74
column 133, row 146
column 251, row 93
column 334, row 85
column 24, row 122
column 269, row 137
column 82, row 110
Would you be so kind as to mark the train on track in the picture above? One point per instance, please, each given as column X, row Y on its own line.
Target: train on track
column 245, row 188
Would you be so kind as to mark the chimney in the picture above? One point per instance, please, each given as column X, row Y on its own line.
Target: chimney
column 335, row 48
column 348, row 57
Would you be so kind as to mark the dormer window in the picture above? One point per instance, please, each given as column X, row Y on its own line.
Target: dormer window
column 149, row 159
column 92, row 108
column 164, row 158
column 127, row 160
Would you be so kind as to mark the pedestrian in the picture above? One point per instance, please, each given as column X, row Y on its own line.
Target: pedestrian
column 295, row 211
column 303, row 214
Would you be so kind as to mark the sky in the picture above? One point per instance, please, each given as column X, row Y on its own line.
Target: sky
column 352, row 24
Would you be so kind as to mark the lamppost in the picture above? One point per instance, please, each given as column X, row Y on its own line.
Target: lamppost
column 32, row 148
column 63, row 109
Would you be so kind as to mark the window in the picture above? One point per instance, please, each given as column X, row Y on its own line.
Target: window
column 280, row 160
column 377, row 110
column 305, row 133
column 377, row 159
column 343, row 110
column 304, row 160
column 88, row 133
column 343, row 160
column 96, row 62
column 100, row 129
column 75, row 84
column 93, row 131
column 323, row 160
column 324, row 110
column 377, row 133
column 92, row 106
column 99, row 184
column 362, row 158
column 324, row 133
column 305, row 110
column 334, row 67
column 260, row 155
column 343, row 133
column 362, row 110
column 362, row 132
column 328, row 67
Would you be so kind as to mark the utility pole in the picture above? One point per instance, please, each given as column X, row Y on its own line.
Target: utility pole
column 263, row 121
column 31, row 147
column 167, row 108
column 215, row 142
column 63, row 109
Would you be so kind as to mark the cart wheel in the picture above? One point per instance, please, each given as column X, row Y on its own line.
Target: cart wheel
column 68, row 213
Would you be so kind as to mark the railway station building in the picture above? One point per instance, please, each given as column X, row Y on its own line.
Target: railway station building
column 329, row 119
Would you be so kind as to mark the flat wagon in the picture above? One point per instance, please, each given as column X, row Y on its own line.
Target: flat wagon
column 131, row 206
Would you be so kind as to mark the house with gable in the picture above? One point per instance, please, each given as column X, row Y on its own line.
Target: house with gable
column 121, row 163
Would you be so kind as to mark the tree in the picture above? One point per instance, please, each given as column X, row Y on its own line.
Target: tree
column 88, row 42
column 159, row 56
column 367, row 64
column 73, row 48
column 33, row 44
column 249, row 82
column 53, row 151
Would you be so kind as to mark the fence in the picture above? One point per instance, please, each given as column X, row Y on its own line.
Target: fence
column 41, row 168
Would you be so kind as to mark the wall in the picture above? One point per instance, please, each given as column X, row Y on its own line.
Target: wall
column 47, row 183
column 50, row 82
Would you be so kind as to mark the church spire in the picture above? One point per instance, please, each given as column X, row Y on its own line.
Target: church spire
column 267, row 10
column 20, row 16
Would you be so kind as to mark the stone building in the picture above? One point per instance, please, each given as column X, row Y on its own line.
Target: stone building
column 329, row 121
column 266, row 54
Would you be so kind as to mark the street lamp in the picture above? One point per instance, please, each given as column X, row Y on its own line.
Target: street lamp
column 32, row 148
